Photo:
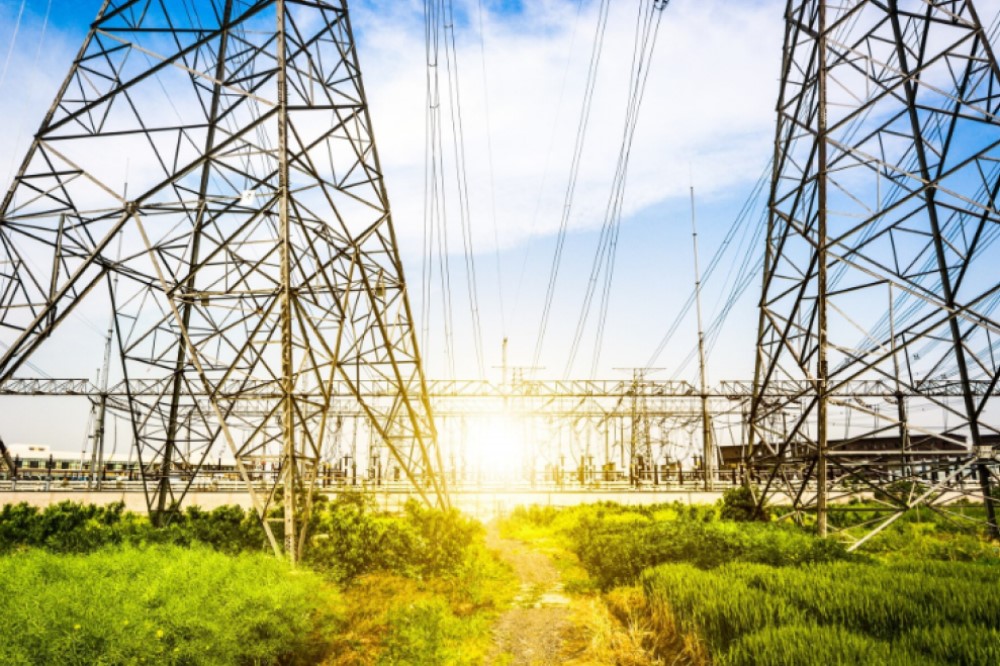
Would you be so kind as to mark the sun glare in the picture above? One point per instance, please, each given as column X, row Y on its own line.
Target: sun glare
column 498, row 445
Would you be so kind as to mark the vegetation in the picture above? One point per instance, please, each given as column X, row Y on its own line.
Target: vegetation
column 350, row 538
column 420, row 588
column 129, row 606
column 615, row 543
column 68, row 527
column 729, row 591
column 696, row 585
column 103, row 585
column 844, row 612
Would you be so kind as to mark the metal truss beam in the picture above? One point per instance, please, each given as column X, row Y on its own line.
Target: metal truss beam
column 474, row 388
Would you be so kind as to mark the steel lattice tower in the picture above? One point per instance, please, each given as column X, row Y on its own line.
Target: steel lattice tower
column 881, row 263
column 253, row 245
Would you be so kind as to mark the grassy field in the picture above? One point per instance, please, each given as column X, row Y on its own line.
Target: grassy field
column 718, row 591
column 648, row 585
column 161, row 605
column 91, row 585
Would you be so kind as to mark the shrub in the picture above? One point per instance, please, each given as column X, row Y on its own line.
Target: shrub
column 740, row 504
column 443, row 538
column 68, row 527
column 350, row 538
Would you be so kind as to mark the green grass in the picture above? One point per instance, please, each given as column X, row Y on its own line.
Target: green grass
column 99, row 585
column 833, row 613
column 731, row 592
column 161, row 605
column 616, row 543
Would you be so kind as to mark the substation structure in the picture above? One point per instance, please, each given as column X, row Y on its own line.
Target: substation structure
column 555, row 435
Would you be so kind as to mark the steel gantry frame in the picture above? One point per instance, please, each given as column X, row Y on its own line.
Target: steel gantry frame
column 640, row 430
column 880, row 263
column 249, row 230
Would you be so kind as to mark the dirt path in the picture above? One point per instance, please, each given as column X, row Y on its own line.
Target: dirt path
column 539, row 627
column 548, row 625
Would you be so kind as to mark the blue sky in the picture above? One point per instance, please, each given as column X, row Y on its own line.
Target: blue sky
column 707, row 119
column 703, row 121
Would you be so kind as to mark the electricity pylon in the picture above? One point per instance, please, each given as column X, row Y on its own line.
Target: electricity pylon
column 258, row 267
column 881, row 261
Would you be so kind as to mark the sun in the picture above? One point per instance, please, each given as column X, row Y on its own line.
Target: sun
column 497, row 443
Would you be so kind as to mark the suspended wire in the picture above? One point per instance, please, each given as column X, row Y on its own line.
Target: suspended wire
column 435, row 210
column 612, row 254
column 13, row 42
column 489, row 155
column 574, row 171
column 462, row 182
column 645, row 40
column 16, row 152
column 548, row 155
column 427, row 263
column 749, row 267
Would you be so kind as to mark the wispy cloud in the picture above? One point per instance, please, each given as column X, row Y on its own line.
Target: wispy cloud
column 708, row 107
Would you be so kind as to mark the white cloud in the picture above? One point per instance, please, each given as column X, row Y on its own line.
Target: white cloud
column 708, row 110
column 709, row 104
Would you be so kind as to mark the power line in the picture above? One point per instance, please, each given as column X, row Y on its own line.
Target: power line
column 574, row 170
column 548, row 156
column 462, row 182
column 645, row 54
column 603, row 264
column 489, row 154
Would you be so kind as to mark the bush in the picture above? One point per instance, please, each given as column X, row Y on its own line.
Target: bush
column 740, row 504
column 68, row 527
column 350, row 538
column 162, row 605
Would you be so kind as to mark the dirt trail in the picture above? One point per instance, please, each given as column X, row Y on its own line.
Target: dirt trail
column 548, row 625
column 539, row 627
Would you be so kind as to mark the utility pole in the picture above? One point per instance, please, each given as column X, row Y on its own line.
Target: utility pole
column 287, row 369
column 708, row 448
column 821, row 250
column 97, row 459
